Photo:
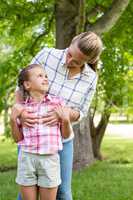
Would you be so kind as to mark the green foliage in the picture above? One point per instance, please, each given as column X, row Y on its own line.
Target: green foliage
column 113, row 73
column 115, row 84
column 27, row 26
column 22, row 22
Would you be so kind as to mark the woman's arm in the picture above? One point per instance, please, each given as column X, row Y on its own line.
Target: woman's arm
column 18, row 96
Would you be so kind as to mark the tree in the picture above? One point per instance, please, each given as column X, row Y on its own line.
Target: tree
column 99, row 18
column 28, row 25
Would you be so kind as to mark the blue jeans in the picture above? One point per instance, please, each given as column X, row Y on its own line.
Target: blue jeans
column 19, row 197
column 66, row 162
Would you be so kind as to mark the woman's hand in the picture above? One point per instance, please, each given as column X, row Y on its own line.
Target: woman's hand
column 51, row 118
column 28, row 119
column 54, row 116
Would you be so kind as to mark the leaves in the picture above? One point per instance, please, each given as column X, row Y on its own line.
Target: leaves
column 26, row 26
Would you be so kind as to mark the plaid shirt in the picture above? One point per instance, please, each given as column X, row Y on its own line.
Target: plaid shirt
column 77, row 91
column 42, row 139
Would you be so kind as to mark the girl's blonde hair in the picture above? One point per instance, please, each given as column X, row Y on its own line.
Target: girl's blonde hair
column 91, row 45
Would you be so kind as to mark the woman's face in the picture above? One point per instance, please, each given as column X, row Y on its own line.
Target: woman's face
column 75, row 58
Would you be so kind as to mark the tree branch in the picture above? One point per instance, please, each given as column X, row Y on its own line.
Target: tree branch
column 95, row 10
column 81, row 18
column 111, row 16
column 42, row 34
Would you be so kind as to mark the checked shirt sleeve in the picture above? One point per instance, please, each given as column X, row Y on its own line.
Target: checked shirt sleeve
column 41, row 57
column 87, row 99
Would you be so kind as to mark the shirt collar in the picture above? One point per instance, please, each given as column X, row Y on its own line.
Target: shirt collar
column 45, row 99
column 87, row 70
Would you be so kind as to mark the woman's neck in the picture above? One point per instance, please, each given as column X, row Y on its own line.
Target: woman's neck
column 74, row 71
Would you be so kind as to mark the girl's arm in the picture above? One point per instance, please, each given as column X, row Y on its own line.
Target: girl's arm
column 74, row 115
column 65, row 128
column 16, row 131
column 64, row 117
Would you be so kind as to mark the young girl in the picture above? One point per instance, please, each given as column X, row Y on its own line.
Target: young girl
column 38, row 162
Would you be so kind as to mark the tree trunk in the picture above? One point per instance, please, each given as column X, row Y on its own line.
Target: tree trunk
column 67, row 14
column 67, row 24
column 83, row 154
column 97, row 134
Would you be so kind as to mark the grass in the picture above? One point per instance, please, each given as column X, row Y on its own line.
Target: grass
column 8, row 153
column 8, row 187
column 104, row 182
column 111, row 179
column 119, row 150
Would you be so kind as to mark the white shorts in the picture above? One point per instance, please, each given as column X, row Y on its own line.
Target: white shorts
column 36, row 169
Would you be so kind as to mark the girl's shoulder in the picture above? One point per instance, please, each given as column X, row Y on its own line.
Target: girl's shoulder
column 56, row 99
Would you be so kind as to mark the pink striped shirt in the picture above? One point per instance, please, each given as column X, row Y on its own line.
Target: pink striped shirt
column 42, row 139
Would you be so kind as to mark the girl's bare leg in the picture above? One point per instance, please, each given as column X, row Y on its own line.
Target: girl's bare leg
column 28, row 192
column 48, row 193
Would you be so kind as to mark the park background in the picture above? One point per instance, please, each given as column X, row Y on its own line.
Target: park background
column 103, row 160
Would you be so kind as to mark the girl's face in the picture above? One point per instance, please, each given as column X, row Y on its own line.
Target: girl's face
column 38, row 80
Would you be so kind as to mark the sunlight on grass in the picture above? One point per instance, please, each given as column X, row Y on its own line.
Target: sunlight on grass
column 117, row 149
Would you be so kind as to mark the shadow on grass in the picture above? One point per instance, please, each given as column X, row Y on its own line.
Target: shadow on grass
column 7, row 168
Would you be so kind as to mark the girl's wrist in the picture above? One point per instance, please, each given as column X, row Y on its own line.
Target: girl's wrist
column 66, row 120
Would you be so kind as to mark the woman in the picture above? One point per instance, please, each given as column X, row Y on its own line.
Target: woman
column 72, row 75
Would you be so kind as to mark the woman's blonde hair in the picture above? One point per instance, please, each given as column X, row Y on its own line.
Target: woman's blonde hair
column 91, row 45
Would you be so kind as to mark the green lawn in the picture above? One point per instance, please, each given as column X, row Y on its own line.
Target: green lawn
column 8, row 153
column 111, row 179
